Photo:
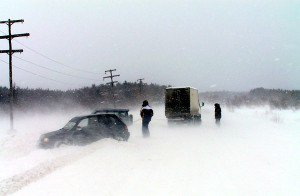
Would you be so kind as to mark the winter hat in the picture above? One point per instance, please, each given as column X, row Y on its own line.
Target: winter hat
column 145, row 103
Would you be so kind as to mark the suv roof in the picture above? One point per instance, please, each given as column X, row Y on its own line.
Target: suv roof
column 111, row 110
column 91, row 115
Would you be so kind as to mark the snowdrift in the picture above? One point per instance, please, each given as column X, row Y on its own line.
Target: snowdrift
column 255, row 151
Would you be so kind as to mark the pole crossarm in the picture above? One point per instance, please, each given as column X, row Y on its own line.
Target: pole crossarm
column 12, row 51
column 110, row 70
column 112, row 82
column 11, row 21
column 141, row 79
column 111, row 76
column 15, row 35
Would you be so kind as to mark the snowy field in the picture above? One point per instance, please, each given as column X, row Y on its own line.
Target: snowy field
column 256, row 151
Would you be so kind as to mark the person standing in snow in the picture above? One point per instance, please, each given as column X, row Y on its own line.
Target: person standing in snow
column 146, row 114
column 218, row 113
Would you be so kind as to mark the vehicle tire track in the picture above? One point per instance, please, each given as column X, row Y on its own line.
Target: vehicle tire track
column 17, row 182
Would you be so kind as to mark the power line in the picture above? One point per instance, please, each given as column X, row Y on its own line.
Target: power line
column 38, row 74
column 53, row 70
column 53, row 60
column 41, row 76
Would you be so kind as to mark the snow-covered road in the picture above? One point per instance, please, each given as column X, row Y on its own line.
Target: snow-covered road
column 254, row 152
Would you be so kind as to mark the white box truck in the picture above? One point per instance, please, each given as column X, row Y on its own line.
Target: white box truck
column 182, row 105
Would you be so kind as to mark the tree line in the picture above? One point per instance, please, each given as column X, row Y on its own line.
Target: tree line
column 131, row 95
column 126, row 94
column 275, row 98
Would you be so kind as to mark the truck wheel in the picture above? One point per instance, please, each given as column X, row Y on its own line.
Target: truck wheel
column 171, row 123
column 197, row 120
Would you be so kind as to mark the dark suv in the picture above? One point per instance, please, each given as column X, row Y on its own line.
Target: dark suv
column 86, row 129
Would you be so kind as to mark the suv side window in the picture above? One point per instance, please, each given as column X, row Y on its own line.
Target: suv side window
column 103, row 121
column 116, row 122
column 83, row 123
column 93, row 122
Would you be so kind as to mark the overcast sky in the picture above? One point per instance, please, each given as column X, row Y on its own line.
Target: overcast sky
column 211, row 45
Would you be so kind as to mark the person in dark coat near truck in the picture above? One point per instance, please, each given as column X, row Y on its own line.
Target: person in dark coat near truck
column 218, row 113
column 146, row 114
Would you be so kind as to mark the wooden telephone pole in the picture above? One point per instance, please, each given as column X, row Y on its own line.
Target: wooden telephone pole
column 10, row 52
column 141, row 84
column 111, row 76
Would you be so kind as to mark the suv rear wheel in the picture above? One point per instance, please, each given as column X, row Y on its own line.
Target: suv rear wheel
column 122, row 136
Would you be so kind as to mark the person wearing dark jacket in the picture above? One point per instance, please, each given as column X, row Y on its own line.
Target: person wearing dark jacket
column 218, row 113
column 146, row 114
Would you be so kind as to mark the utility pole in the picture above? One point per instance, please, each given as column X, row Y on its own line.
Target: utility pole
column 10, row 52
column 141, row 84
column 111, row 76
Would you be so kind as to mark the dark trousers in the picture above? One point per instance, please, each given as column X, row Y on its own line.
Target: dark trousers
column 145, row 127
column 218, row 121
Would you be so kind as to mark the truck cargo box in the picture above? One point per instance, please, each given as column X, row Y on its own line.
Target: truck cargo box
column 181, row 102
